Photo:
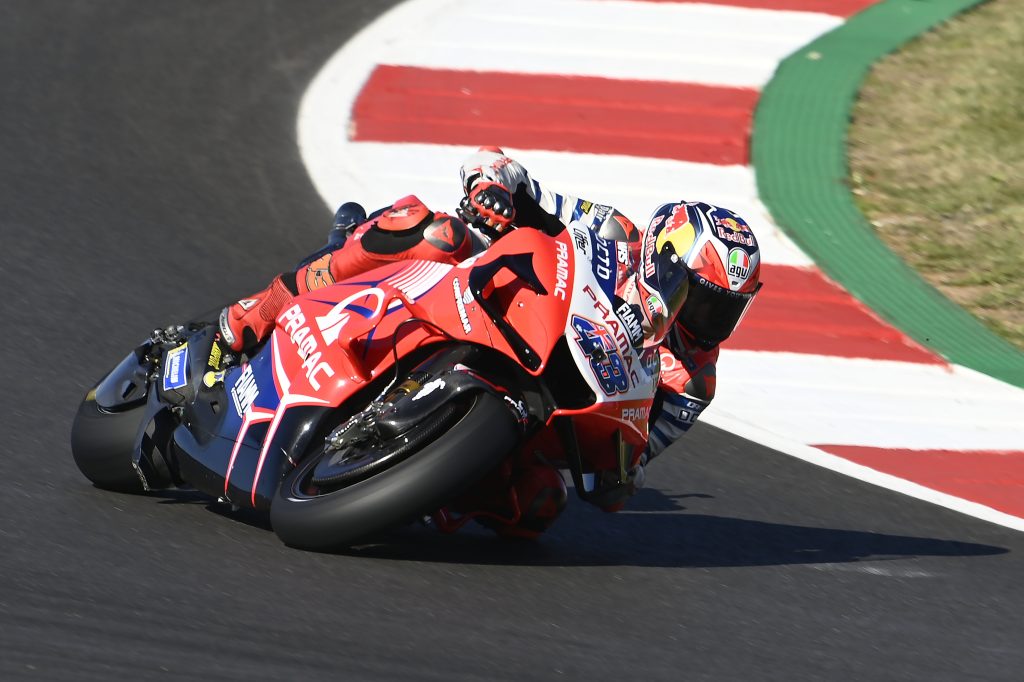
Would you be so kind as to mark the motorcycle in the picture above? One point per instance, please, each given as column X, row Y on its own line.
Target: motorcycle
column 389, row 397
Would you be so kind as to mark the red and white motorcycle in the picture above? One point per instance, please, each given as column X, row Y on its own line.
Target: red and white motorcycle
column 391, row 396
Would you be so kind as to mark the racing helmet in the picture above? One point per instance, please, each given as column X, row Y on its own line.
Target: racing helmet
column 701, row 265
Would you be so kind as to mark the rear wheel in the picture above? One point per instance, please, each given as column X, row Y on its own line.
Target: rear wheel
column 339, row 495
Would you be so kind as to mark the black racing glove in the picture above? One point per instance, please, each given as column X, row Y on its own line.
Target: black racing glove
column 488, row 206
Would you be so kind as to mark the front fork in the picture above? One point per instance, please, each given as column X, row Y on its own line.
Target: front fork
column 447, row 375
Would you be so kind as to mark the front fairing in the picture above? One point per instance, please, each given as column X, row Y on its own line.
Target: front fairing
column 243, row 428
column 607, row 344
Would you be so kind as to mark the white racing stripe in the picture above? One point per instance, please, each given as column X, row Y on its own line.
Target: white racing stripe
column 678, row 42
column 848, row 401
column 420, row 279
column 744, row 428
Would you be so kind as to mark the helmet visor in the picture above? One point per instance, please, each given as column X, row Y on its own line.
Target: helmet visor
column 711, row 313
column 673, row 285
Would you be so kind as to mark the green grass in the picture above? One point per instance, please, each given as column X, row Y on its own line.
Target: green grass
column 936, row 151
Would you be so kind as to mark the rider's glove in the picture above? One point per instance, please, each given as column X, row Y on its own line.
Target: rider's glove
column 488, row 205
column 251, row 320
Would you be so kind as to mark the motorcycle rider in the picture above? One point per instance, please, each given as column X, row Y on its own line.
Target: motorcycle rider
column 713, row 267
column 688, row 279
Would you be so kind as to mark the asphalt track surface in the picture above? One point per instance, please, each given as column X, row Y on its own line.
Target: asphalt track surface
column 149, row 170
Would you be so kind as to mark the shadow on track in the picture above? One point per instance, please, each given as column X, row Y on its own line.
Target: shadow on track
column 671, row 540
column 650, row 533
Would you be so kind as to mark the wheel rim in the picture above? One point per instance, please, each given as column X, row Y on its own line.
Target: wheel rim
column 362, row 453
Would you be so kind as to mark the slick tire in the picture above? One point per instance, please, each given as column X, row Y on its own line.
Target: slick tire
column 420, row 484
column 102, row 444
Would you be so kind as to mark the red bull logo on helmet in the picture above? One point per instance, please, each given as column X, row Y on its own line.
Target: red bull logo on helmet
column 680, row 217
column 735, row 231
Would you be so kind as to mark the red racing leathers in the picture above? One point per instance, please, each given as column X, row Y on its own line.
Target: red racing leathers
column 405, row 230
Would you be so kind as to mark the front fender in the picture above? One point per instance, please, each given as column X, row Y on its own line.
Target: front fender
column 446, row 376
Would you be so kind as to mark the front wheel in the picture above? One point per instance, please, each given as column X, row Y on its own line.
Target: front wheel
column 325, row 504
column 102, row 443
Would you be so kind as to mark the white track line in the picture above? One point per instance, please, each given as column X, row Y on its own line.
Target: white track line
column 875, row 403
column 744, row 429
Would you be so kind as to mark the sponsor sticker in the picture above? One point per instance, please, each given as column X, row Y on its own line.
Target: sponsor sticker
column 334, row 321
column 732, row 231
column 245, row 391
column 460, row 304
column 739, row 263
column 518, row 407
column 622, row 253
column 649, row 265
column 635, row 414
column 598, row 344
column 605, row 264
column 216, row 355
column 680, row 218
column 211, row 379
column 306, row 345
column 562, row 271
column 630, row 317
column 581, row 238
column 654, row 306
column 176, row 367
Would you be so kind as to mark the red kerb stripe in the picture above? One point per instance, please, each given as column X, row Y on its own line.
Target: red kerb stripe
column 841, row 8
column 989, row 477
column 799, row 310
column 699, row 123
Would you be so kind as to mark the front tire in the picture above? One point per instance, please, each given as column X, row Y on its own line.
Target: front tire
column 306, row 518
column 103, row 442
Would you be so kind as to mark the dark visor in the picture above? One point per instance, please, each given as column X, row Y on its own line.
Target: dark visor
column 711, row 313
column 673, row 281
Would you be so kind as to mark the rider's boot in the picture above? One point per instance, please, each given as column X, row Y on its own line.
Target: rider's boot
column 247, row 322
column 347, row 218
column 520, row 499
column 541, row 494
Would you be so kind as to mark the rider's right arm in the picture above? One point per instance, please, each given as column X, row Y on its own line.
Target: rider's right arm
column 676, row 413
column 686, row 386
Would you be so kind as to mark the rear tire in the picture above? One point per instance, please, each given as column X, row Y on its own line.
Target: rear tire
column 419, row 484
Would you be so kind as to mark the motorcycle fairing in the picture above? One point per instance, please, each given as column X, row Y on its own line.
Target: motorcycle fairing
column 329, row 344
column 601, row 253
